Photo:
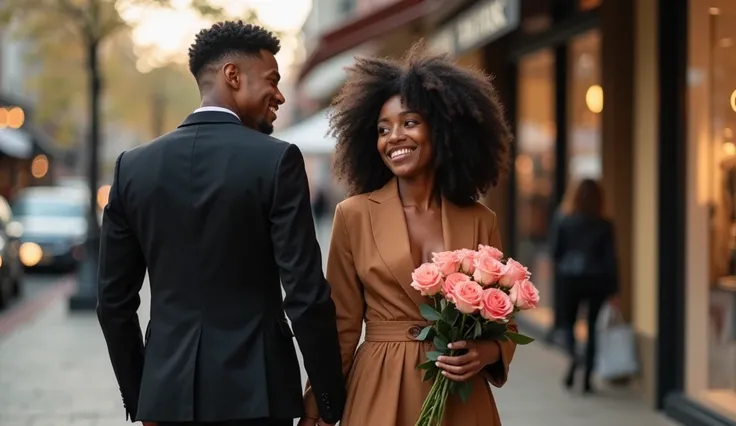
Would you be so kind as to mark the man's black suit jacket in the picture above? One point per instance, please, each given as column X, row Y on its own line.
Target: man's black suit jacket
column 219, row 215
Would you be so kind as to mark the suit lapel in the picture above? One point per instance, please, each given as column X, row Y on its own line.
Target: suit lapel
column 392, row 237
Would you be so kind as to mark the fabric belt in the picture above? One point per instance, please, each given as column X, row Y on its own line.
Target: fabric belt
column 393, row 331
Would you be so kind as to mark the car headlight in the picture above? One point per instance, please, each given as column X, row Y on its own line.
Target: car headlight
column 30, row 254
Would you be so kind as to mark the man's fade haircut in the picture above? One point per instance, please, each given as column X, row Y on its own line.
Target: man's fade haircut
column 228, row 38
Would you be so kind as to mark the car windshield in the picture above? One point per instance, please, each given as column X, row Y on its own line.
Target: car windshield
column 47, row 207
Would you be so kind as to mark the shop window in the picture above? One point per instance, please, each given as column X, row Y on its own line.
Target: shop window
column 711, row 287
column 535, row 170
column 585, row 105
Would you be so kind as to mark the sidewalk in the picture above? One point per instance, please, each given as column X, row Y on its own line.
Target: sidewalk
column 55, row 371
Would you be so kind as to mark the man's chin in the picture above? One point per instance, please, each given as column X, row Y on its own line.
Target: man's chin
column 266, row 128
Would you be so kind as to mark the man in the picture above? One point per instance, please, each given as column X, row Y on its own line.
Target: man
column 217, row 212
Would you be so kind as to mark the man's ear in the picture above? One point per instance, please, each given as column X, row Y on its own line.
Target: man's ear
column 232, row 75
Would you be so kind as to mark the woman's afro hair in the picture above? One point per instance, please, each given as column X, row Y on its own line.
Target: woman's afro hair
column 470, row 136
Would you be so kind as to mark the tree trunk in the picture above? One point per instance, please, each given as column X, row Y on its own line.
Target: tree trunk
column 95, row 92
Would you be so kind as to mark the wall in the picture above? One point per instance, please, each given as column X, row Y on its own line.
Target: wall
column 644, row 244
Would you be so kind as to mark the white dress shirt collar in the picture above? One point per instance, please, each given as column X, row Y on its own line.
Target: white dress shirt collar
column 216, row 108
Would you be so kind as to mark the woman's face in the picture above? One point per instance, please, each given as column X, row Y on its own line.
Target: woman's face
column 403, row 140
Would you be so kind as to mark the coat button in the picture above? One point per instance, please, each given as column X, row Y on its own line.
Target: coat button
column 415, row 331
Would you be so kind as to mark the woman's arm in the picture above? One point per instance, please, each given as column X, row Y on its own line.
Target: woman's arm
column 347, row 293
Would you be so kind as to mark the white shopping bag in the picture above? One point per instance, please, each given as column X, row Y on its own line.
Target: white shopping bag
column 616, row 353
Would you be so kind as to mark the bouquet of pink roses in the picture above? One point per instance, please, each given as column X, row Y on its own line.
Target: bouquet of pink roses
column 474, row 295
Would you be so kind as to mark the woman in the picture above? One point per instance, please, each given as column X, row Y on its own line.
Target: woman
column 418, row 141
column 583, row 248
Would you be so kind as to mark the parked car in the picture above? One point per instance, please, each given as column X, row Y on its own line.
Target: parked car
column 11, row 269
column 54, row 226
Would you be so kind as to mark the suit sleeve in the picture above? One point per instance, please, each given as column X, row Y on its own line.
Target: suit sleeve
column 121, row 272
column 347, row 292
column 307, row 303
column 497, row 374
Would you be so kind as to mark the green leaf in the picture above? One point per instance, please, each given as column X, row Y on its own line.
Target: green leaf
column 433, row 355
column 426, row 365
column 443, row 304
column 429, row 313
column 441, row 345
column 430, row 374
column 493, row 330
column 477, row 330
column 425, row 333
column 454, row 387
column 450, row 314
column 465, row 389
column 454, row 335
column 519, row 339
column 444, row 329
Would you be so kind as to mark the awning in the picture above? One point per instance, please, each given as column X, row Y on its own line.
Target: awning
column 327, row 77
column 16, row 143
column 367, row 27
column 310, row 135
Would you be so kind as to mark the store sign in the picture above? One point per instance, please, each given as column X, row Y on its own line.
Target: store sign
column 479, row 25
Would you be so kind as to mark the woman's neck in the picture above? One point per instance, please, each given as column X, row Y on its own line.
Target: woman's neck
column 418, row 192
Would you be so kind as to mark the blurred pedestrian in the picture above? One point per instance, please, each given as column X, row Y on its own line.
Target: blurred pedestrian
column 582, row 245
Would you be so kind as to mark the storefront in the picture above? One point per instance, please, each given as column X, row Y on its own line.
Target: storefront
column 698, row 295
column 24, row 159
column 545, row 57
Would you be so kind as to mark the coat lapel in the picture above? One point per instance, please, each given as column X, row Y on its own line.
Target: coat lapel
column 392, row 237
column 458, row 227
column 388, row 224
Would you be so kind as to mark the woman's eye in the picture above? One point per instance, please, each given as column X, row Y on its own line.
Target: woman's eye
column 410, row 123
column 382, row 130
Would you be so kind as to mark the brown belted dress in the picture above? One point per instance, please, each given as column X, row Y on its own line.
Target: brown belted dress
column 369, row 269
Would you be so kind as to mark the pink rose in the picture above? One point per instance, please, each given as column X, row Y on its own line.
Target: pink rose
column 490, row 251
column 524, row 295
column 513, row 271
column 468, row 295
column 488, row 269
column 467, row 260
column 451, row 282
column 427, row 279
column 446, row 261
column 496, row 305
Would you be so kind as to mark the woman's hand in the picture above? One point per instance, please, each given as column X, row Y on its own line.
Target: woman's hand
column 463, row 367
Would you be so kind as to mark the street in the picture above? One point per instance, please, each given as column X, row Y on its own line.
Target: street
column 54, row 370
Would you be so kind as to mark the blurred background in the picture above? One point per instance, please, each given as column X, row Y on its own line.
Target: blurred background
column 639, row 95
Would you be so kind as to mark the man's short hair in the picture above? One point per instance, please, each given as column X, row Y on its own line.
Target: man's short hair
column 228, row 38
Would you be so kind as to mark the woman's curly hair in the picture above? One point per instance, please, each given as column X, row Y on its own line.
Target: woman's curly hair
column 470, row 136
